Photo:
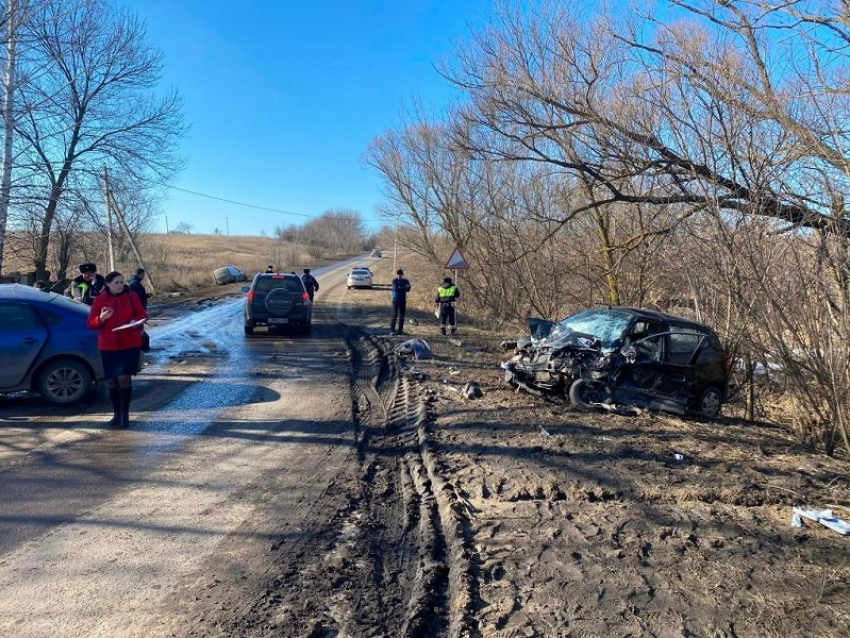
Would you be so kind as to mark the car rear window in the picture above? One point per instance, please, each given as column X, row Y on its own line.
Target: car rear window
column 265, row 284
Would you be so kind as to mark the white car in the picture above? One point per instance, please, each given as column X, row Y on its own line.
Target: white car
column 359, row 278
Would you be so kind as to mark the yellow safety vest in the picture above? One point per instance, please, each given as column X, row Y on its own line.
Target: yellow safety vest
column 447, row 293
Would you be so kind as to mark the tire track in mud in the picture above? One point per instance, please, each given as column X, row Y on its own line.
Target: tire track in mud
column 433, row 554
column 386, row 550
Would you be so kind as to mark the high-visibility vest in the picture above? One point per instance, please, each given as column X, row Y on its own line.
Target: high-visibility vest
column 447, row 294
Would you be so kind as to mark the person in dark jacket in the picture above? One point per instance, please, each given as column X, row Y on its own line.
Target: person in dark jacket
column 270, row 269
column 401, row 287
column 310, row 283
column 447, row 296
column 138, row 287
column 119, row 347
column 87, row 285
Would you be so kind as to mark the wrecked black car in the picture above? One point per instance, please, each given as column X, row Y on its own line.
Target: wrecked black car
column 623, row 357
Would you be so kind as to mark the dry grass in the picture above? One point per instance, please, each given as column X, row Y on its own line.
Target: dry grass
column 177, row 262
column 180, row 262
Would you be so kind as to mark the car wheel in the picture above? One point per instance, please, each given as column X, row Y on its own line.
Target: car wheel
column 64, row 382
column 308, row 329
column 709, row 402
column 249, row 330
column 585, row 394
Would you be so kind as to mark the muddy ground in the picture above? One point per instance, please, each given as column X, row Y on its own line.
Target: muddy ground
column 512, row 515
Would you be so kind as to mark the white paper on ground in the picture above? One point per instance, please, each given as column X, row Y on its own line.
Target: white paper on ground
column 813, row 514
column 836, row 525
column 824, row 517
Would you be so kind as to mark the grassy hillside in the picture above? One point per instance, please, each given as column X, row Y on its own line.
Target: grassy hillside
column 176, row 262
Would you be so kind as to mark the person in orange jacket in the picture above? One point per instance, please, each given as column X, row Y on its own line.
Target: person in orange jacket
column 119, row 348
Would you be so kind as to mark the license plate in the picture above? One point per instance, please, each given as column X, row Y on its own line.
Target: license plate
column 278, row 320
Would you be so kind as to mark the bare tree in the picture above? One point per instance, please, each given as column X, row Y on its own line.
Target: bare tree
column 335, row 231
column 92, row 106
column 715, row 111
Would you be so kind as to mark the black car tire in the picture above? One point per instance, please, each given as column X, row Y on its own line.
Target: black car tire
column 710, row 402
column 64, row 381
column 307, row 329
column 584, row 394
column 249, row 330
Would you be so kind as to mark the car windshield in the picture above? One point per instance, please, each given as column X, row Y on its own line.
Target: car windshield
column 608, row 325
column 360, row 271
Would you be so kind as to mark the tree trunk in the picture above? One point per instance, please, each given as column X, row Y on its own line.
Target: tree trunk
column 606, row 250
column 43, row 240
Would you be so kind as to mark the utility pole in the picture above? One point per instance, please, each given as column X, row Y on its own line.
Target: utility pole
column 395, row 245
column 166, row 224
column 227, row 226
column 108, row 220
column 8, row 123
column 123, row 223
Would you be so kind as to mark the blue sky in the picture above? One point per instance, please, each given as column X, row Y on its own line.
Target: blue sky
column 284, row 96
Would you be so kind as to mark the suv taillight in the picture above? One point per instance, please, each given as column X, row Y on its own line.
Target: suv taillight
column 250, row 295
column 305, row 296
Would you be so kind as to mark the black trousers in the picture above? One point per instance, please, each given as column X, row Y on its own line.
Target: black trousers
column 447, row 318
column 399, row 308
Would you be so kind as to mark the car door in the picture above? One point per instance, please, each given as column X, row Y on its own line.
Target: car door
column 665, row 379
column 646, row 378
column 22, row 337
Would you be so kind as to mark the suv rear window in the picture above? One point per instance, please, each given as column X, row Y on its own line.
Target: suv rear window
column 265, row 284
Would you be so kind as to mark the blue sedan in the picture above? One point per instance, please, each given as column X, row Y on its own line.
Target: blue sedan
column 45, row 345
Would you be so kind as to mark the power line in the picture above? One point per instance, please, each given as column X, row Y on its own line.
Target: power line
column 247, row 205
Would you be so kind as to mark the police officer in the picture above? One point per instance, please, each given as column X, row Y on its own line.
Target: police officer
column 310, row 283
column 401, row 287
column 138, row 287
column 447, row 296
column 88, row 285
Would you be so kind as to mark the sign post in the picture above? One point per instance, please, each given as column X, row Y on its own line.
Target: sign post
column 455, row 262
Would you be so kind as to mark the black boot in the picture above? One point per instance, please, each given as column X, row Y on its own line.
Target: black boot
column 115, row 396
column 126, row 395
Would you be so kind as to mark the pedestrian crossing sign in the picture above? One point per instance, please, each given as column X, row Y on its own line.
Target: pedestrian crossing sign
column 457, row 261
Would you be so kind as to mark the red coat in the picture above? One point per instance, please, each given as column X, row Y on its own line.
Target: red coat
column 126, row 307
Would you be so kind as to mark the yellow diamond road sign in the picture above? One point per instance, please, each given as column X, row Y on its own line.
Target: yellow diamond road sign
column 457, row 261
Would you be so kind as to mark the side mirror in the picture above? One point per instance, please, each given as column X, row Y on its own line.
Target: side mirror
column 246, row 288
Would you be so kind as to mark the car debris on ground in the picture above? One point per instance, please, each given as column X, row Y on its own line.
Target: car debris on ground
column 472, row 390
column 417, row 347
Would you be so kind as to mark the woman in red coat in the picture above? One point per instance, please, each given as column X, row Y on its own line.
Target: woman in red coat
column 119, row 348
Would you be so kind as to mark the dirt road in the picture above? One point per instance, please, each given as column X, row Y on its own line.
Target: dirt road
column 320, row 487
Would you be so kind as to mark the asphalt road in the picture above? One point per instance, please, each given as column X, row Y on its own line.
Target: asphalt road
column 233, row 446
